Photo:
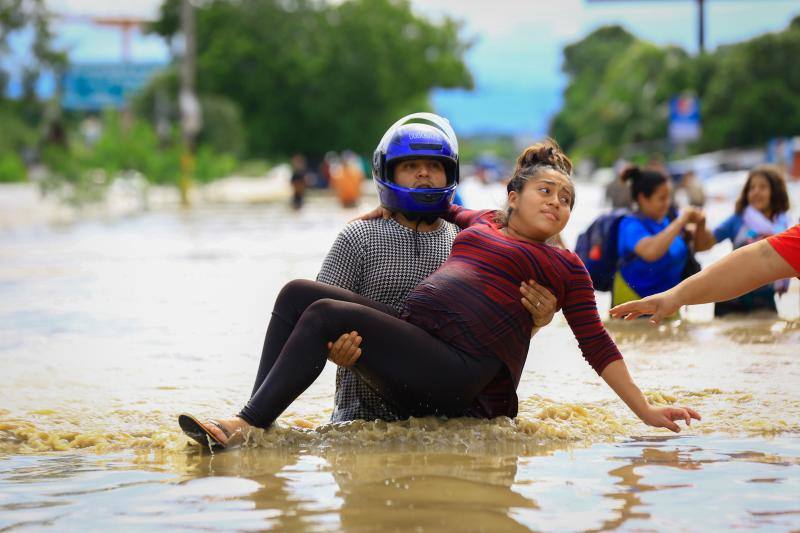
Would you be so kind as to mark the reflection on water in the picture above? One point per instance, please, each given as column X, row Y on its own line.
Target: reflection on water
column 652, row 483
column 108, row 330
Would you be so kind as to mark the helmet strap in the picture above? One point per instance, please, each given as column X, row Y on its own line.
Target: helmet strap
column 427, row 218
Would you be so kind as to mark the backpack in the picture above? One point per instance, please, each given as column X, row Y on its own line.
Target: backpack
column 597, row 248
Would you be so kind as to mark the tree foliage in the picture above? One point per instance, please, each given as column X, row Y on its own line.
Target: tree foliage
column 620, row 87
column 752, row 95
column 20, row 15
column 21, row 120
column 313, row 77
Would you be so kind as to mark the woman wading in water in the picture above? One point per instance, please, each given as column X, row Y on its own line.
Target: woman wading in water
column 459, row 344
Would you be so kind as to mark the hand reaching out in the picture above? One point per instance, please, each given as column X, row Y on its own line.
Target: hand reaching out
column 658, row 305
column 664, row 417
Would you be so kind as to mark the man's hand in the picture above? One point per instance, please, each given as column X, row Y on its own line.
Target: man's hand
column 657, row 305
column 378, row 212
column 539, row 301
column 345, row 351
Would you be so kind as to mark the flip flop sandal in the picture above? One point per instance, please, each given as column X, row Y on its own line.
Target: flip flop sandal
column 197, row 432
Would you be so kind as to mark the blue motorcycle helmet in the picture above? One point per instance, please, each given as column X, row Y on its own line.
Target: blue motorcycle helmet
column 415, row 136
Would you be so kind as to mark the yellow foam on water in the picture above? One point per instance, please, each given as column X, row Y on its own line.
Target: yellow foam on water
column 660, row 398
column 550, row 420
column 44, row 412
column 541, row 422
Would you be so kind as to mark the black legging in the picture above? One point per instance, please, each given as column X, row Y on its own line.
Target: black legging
column 405, row 364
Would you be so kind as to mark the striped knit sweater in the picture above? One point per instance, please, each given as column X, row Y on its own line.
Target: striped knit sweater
column 473, row 303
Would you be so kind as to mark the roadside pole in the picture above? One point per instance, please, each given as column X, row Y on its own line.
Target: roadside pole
column 191, row 119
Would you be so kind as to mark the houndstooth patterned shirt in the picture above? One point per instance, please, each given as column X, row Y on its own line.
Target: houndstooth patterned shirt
column 377, row 259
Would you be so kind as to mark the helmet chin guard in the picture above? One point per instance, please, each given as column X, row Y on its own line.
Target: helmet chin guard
column 416, row 136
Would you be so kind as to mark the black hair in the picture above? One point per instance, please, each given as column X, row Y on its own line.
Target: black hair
column 643, row 180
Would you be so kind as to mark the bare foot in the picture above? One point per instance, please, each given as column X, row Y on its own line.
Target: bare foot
column 236, row 428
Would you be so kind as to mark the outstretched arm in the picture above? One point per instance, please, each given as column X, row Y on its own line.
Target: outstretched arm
column 738, row 273
column 617, row 376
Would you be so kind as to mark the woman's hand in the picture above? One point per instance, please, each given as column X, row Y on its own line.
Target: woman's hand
column 692, row 214
column 664, row 417
column 657, row 305
column 539, row 301
column 345, row 351
column 378, row 212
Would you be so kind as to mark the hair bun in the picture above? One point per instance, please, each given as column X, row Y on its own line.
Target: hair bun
column 630, row 173
column 546, row 152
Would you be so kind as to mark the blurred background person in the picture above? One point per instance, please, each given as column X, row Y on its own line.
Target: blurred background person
column 761, row 211
column 347, row 176
column 654, row 250
column 618, row 194
column 744, row 270
column 298, row 180
column 690, row 190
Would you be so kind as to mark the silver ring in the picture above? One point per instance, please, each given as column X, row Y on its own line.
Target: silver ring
column 537, row 303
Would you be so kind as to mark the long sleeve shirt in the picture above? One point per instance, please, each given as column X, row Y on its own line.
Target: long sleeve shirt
column 473, row 302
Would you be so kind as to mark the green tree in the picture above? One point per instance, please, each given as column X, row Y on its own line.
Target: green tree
column 22, row 119
column 752, row 93
column 312, row 77
column 620, row 87
column 630, row 105
column 223, row 125
column 585, row 62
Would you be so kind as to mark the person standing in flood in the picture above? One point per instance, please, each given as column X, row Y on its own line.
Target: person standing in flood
column 761, row 211
column 739, row 272
column 346, row 179
column 654, row 250
column 298, row 180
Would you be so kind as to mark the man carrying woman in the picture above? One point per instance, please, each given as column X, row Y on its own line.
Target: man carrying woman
column 384, row 259
column 460, row 342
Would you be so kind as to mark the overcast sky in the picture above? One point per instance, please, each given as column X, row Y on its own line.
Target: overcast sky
column 517, row 53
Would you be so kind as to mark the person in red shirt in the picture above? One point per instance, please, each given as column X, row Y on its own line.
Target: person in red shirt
column 740, row 272
column 459, row 344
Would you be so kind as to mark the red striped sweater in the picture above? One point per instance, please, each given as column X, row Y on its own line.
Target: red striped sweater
column 472, row 302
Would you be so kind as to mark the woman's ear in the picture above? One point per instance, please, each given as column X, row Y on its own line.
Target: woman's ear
column 513, row 196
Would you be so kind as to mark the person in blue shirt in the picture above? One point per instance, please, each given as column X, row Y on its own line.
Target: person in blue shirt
column 652, row 248
column 761, row 211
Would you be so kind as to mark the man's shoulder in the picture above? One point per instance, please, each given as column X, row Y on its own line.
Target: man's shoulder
column 361, row 230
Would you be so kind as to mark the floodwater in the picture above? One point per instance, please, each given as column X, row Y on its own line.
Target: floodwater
column 110, row 328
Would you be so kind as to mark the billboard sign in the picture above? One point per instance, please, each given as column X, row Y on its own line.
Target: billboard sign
column 684, row 119
column 96, row 86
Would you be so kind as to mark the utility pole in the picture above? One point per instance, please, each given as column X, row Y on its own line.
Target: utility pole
column 191, row 119
column 701, row 19
column 701, row 26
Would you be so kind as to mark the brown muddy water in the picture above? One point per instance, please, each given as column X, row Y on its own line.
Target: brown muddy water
column 109, row 329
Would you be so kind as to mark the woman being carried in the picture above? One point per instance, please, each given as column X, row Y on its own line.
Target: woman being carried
column 459, row 345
